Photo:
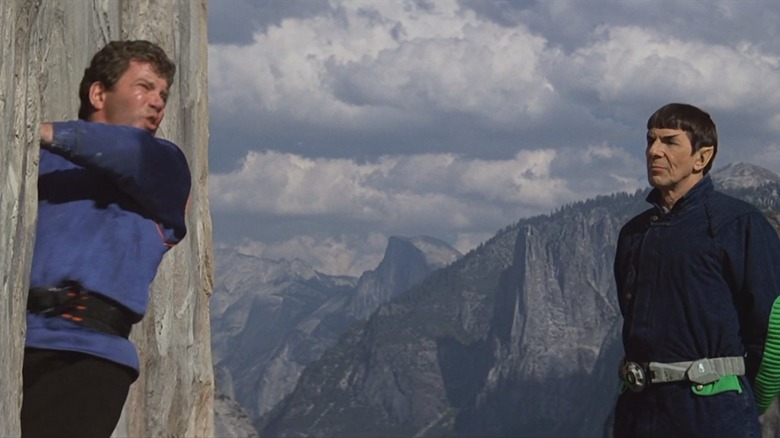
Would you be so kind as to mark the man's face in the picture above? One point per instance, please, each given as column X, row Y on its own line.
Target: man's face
column 670, row 160
column 138, row 99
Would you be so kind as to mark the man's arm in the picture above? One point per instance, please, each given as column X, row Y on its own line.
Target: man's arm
column 767, row 382
column 753, row 254
column 152, row 171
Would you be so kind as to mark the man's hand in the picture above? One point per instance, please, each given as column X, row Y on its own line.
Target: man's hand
column 47, row 135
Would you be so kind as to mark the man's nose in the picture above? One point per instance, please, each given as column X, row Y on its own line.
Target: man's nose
column 157, row 102
column 654, row 148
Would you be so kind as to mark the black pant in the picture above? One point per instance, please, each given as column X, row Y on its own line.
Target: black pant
column 69, row 394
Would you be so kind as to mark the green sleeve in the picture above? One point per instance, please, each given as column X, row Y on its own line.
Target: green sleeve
column 767, row 384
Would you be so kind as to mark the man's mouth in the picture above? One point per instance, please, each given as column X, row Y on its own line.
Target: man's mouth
column 656, row 168
column 152, row 122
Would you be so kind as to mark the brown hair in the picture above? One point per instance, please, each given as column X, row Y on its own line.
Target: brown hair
column 111, row 62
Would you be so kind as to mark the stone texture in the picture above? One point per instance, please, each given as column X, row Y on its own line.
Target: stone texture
column 407, row 261
column 270, row 319
column 42, row 59
column 20, row 106
column 231, row 420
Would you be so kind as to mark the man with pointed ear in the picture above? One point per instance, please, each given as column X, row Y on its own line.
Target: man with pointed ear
column 697, row 284
column 111, row 203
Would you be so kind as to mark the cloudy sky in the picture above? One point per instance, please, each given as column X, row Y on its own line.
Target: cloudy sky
column 335, row 124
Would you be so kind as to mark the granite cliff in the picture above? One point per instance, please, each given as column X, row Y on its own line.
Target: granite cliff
column 520, row 337
column 271, row 318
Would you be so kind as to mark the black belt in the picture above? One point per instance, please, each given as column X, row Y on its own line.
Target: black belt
column 91, row 310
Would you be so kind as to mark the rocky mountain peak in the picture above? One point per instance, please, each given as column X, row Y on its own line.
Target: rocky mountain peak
column 273, row 317
column 407, row 261
column 735, row 176
column 437, row 253
column 264, row 269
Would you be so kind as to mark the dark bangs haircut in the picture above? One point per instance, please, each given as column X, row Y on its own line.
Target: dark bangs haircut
column 112, row 61
column 695, row 122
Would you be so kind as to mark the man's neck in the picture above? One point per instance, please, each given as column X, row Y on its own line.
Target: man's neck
column 670, row 196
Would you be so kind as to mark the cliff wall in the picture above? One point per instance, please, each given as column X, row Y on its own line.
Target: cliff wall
column 46, row 46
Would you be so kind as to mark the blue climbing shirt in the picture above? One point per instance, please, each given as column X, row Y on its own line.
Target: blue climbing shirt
column 111, row 203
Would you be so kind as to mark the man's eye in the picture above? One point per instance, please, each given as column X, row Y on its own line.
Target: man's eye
column 669, row 140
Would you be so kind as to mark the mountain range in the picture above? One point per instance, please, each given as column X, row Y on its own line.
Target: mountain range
column 271, row 318
column 519, row 337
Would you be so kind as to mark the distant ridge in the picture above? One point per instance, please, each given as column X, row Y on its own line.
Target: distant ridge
column 271, row 318
column 519, row 337
column 743, row 175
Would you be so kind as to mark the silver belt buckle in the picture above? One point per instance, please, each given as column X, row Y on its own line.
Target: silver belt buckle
column 633, row 375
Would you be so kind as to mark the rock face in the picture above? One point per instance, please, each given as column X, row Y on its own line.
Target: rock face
column 48, row 45
column 520, row 337
column 271, row 318
column 406, row 261
column 20, row 108
column 231, row 420
column 738, row 176
column 556, row 316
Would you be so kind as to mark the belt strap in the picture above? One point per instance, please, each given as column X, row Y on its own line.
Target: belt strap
column 91, row 310
column 702, row 371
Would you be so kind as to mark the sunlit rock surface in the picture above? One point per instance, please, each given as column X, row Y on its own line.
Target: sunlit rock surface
column 46, row 46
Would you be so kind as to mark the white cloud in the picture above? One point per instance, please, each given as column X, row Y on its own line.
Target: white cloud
column 767, row 157
column 347, row 254
column 430, row 69
column 629, row 62
column 379, row 62
column 442, row 188
column 566, row 83
column 395, row 63
column 436, row 194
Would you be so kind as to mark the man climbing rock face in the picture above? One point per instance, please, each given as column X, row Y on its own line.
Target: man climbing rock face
column 111, row 203
column 697, row 284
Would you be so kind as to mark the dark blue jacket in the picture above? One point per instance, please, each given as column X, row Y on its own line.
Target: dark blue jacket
column 112, row 202
column 697, row 282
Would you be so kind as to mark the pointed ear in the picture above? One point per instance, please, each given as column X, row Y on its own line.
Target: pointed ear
column 97, row 95
column 703, row 156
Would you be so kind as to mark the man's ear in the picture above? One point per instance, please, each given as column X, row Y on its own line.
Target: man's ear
column 97, row 95
column 703, row 156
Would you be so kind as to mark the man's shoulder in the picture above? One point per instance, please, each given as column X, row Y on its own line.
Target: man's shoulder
column 72, row 129
column 721, row 204
column 723, row 209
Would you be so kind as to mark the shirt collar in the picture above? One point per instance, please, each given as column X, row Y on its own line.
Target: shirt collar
column 696, row 194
